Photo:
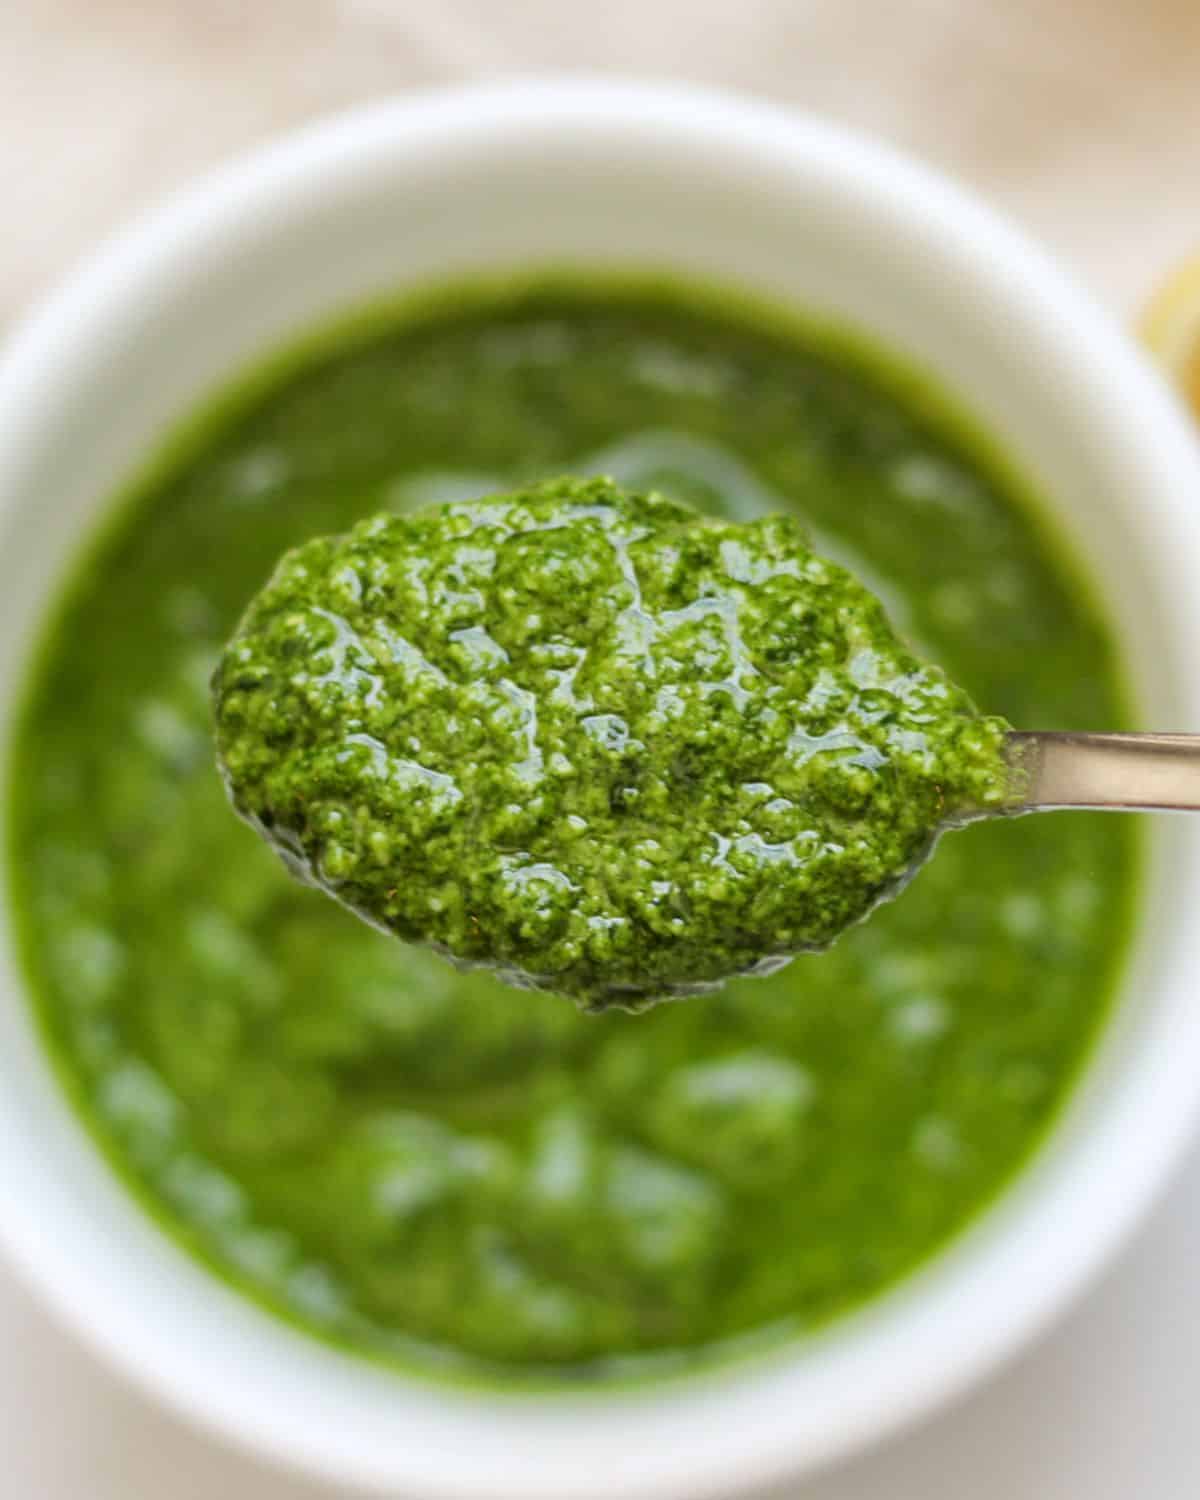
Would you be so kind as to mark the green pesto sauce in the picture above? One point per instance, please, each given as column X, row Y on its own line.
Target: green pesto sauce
column 592, row 739
column 437, row 1170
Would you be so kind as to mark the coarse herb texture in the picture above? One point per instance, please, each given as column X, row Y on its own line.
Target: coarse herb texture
column 469, row 1182
column 592, row 739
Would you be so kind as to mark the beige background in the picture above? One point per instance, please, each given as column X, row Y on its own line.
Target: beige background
column 1080, row 117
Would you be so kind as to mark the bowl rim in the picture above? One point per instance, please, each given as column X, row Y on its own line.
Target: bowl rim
column 1148, row 1128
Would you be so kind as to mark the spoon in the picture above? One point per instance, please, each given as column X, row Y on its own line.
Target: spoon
column 1116, row 772
column 619, row 751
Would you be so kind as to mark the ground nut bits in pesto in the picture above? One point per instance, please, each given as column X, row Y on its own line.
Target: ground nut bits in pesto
column 592, row 740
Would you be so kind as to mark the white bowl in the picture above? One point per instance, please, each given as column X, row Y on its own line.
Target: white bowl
column 727, row 191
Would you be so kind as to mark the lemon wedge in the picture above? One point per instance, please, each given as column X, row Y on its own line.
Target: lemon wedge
column 1171, row 327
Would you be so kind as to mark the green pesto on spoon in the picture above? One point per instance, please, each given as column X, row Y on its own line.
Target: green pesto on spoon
column 608, row 747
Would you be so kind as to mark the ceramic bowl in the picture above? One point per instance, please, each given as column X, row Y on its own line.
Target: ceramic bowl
column 607, row 175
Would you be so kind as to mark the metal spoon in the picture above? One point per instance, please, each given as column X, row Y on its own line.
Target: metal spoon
column 1114, row 771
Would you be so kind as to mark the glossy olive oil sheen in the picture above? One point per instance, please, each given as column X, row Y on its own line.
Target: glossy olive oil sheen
column 435, row 1170
column 593, row 741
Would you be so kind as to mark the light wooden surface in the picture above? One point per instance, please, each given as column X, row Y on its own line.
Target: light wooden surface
column 1081, row 118
column 1077, row 116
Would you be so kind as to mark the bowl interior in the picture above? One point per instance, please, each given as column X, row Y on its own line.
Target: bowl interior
column 605, row 178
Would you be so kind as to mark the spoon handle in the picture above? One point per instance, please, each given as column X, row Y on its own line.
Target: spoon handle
column 1118, row 771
